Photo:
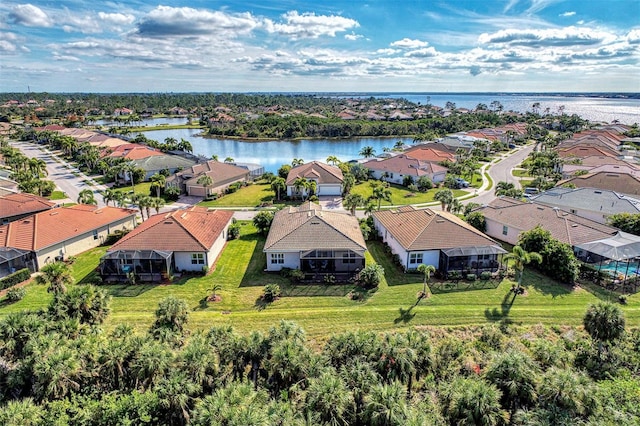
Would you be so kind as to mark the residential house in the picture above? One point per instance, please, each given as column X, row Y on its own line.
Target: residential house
column 221, row 174
column 7, row 186
column 590, row 163
column 157, row 163
column 592, row 203
column 328, row 179
column 507, row 218
column 58, row 233
column 621, row 179
column 15, row 206
column 430, row 237
column 395, row 169
column 132, row 151
column 315, row 241
column 180, row 241
column 431, row 152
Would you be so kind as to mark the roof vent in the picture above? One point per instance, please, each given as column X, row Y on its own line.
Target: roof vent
column 540, row 208
column 575, row 225
column 168, row 223
column 53, row 213
column 184, row 215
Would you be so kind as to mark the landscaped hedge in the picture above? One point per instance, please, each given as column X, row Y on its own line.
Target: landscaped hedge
column 15, row 278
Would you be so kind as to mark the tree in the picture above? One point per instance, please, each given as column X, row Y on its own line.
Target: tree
column 445, row 196
column 558, row 260
column 604, row 322
column 156, row 204
column 278, row 185
column 284, row 170
column 626, row 222
column 348, row 182
column 426, row 270
column 86, row 197
column 263, row 221
column 57, row 276
column 424, row 183
column 380, row 192
column 300, row 185
column 205, row 181
column 333, row 160
column 352, row 201
column 228, row 160
column 477, row 220
column 521, row 258
column 371, row 275
column 185, row 145
column 472, row 402
column 158, row 181
column 329, row 398
column 386, row 405
column 86, row 303
column 172, row 316
column 108, row 195
column 515, row 374
column 367, row 152
column 297, row 162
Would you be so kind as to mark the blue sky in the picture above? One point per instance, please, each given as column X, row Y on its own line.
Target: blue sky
column 320, row 46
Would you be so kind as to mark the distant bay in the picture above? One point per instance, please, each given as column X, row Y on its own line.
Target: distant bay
column 272, row 154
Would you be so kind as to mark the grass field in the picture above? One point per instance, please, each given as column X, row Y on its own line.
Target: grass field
column 57, row 195
column 400, row 195
column 323, row 310
column 248, row 196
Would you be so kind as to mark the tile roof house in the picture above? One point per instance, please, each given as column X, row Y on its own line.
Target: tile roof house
column 132, row 151
column 441, row 239
column 182, row 240
column 16, row 206
column 430, row 152
column 594, row 161
column 584, row 150
column 592, row 203
column 394, row 169
column 222, row 175
column 157, row 163
column 507, row 217
column 64, row 231
column 328, row 179
column 315, row 241
column 621, row 179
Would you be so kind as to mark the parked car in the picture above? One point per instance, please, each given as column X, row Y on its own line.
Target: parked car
column 512, row 146
column 461, row 183
column 530, row 190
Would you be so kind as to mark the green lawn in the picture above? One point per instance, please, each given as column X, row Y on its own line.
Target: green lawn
column 400, row 195
column 143, row 188
column 323, row 310
column 248, row 196
column 520, row 173
column 57, row 195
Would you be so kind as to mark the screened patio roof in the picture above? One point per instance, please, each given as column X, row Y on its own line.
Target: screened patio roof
column 622, row 246
column 473, row 251
column 137, row 255
column 10, row 253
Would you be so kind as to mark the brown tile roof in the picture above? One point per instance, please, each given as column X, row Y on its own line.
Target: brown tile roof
column 43, row 229
column 405, row 165
column 308, row 227
column 586, row 151
column 624, row 180
column 194, row 229
column 426, row 153
column 133, row 151
column 219, row 172
column 426, row 229
column 323, row 173
column 565, row 227
column 21, row 204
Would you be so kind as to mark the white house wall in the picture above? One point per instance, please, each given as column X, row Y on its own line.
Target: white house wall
column 217, row 246
column 495, row 230
column 291, row 260
column 429, row 257
column 183, row 261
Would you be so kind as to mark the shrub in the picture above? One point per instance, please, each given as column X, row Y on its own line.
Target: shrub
column 485, row 275
column 234, row 230
column 296, row 275
column 622, row 299
column 455, row 276
column 471, row 277
column 371, row 275
column 16, row 294
column 115, row 236
column 172, row 193
column 285, row 272
column 15, row 278
column 271, row 292
column 313, row 198
column 329, row 279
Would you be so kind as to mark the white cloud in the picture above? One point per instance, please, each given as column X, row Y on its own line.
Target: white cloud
column 634, row 36
column 116, row 18
column 30, row 16
column 310, row 25
column 407, row 43
column 569, row 36
column 58, row 57
column 426, row 52
column 7, row 47
column 353, row 36
column 166, row 21
column 386, row 51
column 567, row 14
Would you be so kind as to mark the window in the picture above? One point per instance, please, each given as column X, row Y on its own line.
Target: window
column 95, row 234
column 197, row 258
column 277, row 258
column 348, row 258
column 505, row 230
column 573, row 211
column 415, row 258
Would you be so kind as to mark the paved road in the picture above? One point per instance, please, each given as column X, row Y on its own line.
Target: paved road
column 66, row 177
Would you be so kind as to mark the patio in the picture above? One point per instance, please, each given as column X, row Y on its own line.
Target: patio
column 147, row 265
column 471, row 260
column 12, row 260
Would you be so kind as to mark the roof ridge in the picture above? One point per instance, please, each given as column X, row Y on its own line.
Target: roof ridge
column 189, row 231
column 464, row 225
column 336, row 229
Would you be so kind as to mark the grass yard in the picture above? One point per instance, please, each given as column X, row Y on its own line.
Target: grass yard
column 248, row 196
column 520, row 173
column 323, row 310
column 57, row 195
column 143, row 188
column 400, row 195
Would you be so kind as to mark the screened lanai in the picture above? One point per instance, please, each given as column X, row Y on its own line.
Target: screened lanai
column 12, row 259
column 618, row 256
column 471, row 259
column 147, row 265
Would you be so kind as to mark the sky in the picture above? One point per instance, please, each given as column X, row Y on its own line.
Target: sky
column 320, row 46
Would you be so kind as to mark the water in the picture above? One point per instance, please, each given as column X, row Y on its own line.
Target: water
column 273, row 154
column 620, row 268
column 147, row 122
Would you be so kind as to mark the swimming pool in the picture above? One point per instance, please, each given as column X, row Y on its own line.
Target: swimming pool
column 620, row 268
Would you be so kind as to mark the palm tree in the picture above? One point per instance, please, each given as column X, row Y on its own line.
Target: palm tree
column 604, row 322
column 206, row 181
column 347, row 183
column 332, row 159
column 185, row 145
column 278, row 185
column 445, row 196
column 157, row 204
column 520, row 258
column 312, row 187
column 367, row 152
column 329, row 397
column 57, row 276
column 456, row 206
column 381, row 192
column 228, row 160
column 86, row 197
column 38, row 167
column 158, row 181
column 214, row 157
column 427, row 270
column 473, row 402
column 108, row 195
column 386, row 405
column 300, row 185
column 503, row 188
column 297, row 162
column 515, row 374
column 353, row 201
